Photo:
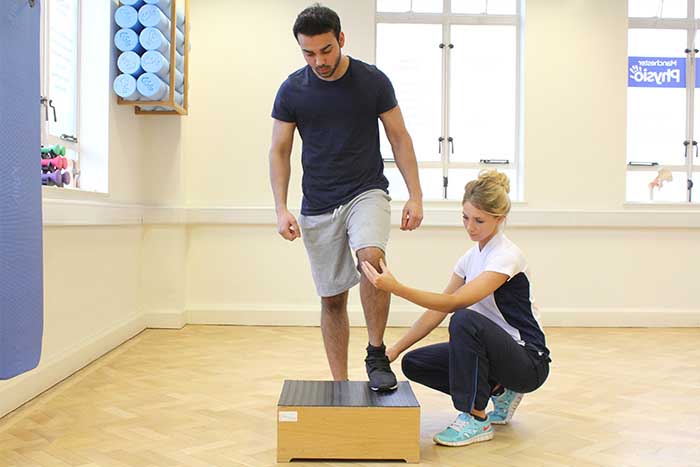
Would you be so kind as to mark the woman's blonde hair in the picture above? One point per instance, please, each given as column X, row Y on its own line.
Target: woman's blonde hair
column 489, row 192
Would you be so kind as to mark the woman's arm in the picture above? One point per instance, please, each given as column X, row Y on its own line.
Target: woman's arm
column 424, row 325
column 468, row 294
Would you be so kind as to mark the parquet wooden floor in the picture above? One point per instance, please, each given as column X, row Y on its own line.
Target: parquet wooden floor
column 206, row 396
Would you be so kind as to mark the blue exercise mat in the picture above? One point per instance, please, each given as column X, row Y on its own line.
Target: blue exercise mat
column 21, row 281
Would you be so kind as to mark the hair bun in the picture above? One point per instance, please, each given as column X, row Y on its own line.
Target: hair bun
column 496, row 177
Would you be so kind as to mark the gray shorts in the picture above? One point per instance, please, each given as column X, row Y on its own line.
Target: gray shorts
column 331, row 238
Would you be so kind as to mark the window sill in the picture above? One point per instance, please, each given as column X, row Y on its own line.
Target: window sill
column 54, row 192
column 64, row 212
column 662, row 204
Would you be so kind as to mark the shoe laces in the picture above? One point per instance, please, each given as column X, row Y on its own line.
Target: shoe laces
column 502, row 402
column 462, row 423
column 378, row 362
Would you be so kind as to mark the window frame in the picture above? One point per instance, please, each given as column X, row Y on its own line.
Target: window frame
column 691, row 25
column 47, row 138
column 448, row 19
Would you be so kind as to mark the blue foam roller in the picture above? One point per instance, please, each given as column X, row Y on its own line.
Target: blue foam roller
column 155, row 108
column 21, row 274
column 152, row 88
column 164, row 6
column 125, row 87
column 153, row 39
column 134, row 3
column 154, row 62
column 152, row 17
column 127, row 17
column 130, row 63
column 127, row 40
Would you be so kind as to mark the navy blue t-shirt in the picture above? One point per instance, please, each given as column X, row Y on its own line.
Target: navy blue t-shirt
column 338, row 124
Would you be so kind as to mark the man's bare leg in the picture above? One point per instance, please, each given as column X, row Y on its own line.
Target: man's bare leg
column 335, row 328
column 375, row 302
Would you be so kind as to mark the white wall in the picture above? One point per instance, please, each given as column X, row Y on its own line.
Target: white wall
column 575, row 112
column 99, row 260
column 575, row 104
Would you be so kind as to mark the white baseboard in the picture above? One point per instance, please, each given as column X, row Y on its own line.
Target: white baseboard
column 165, row 319
column 309, row 315
column 621, row 317
column 22, row 388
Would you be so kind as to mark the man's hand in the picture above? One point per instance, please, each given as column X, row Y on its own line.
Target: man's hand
column 287, row 226
column 384, row 280
column 412, row 215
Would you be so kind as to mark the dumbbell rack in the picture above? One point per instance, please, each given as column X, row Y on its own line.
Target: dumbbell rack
column 170, row 102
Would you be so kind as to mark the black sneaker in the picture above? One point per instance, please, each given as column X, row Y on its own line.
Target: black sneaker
column 381, row 378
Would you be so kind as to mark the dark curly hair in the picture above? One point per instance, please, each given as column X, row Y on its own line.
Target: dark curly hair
column 316, row 20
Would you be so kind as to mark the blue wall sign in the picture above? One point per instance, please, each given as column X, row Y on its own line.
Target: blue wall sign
column 658, row 72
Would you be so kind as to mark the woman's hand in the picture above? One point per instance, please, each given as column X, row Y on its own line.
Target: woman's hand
column 384, row 280
column 392, row 354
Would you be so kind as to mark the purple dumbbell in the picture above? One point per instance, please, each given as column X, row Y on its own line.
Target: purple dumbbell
column 55, row 178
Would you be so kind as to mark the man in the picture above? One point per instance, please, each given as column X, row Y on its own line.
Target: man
column 334, row 102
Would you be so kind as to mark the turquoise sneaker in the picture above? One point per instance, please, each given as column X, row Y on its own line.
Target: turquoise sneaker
column 465, row 430
column 504, row 407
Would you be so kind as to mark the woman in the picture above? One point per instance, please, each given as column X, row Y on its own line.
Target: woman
column 497, row 347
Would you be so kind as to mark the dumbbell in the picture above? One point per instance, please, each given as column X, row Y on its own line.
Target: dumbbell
column 55, row 163
column 53, row 150
column 55, row 178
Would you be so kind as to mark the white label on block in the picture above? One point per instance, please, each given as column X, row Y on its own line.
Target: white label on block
column 288, row 416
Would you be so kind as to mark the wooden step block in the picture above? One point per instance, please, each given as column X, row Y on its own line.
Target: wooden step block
column 347, row 420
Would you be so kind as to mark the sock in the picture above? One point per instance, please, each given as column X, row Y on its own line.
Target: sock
column 372, row 349
column 499, row 391
column 481, row 419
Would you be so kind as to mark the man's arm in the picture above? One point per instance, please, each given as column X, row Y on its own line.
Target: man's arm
column 425, row 324
column 405, row 156
column 280, row 171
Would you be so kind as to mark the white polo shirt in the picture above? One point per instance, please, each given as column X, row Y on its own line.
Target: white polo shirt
column 511, row 306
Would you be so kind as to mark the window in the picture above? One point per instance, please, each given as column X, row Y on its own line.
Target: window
column 60, row 53
column 455, row 66
column 662, row 126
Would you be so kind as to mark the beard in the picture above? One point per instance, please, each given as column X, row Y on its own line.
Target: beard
column 326, row 72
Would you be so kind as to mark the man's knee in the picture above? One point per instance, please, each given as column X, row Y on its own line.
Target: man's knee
column 334, row 304
column 370, row 254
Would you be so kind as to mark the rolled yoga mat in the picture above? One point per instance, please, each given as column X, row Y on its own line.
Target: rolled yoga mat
column 21, row 274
